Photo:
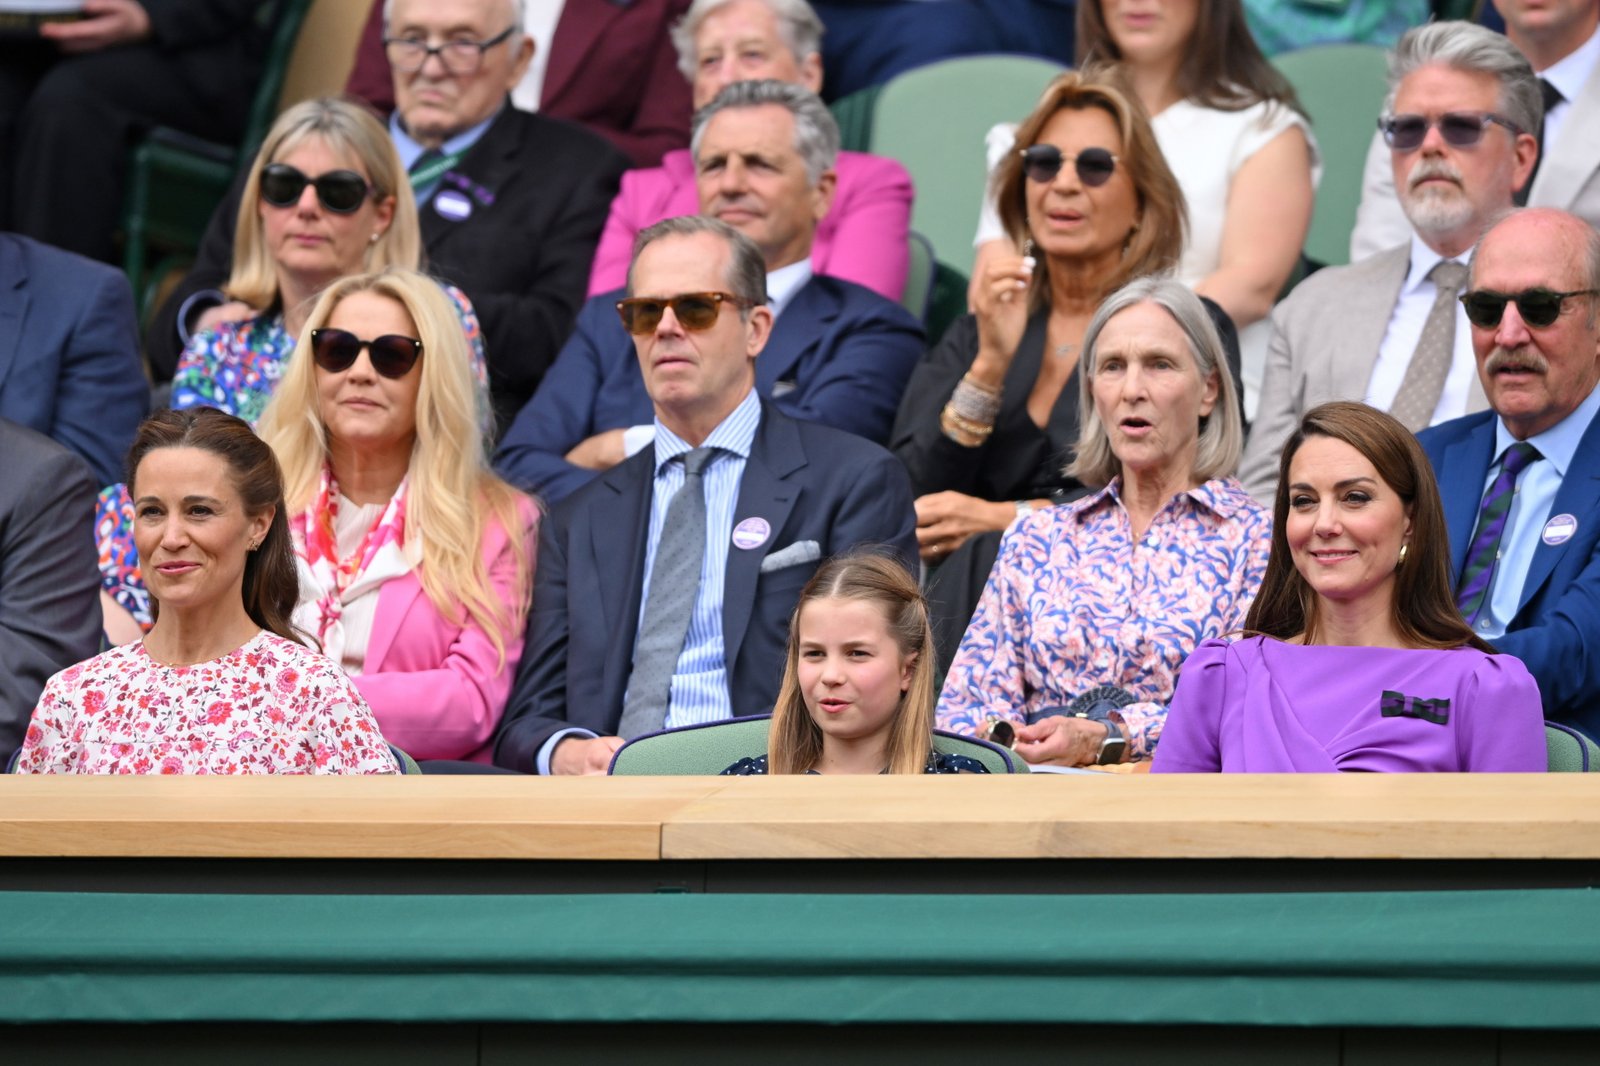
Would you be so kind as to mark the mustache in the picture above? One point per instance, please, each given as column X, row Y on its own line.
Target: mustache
column 1516, row 359
column 1432, row 168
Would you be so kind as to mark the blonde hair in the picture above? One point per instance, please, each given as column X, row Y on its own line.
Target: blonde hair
column 350, row 130
column 794, row 740
column 1221, row 432
column 452, row 493
column 1160, row 228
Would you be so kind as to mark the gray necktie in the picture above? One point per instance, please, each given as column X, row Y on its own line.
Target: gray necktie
column 1436, row 348
column 674, row 583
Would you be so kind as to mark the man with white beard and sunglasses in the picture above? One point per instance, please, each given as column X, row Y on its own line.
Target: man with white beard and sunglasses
column 1459, row 119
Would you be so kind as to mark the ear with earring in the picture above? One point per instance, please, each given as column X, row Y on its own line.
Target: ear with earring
column 1402, row 560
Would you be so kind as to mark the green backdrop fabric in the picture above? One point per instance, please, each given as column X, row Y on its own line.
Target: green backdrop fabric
column 1503, row 959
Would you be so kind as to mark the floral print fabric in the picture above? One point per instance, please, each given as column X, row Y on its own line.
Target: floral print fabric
column 267, row 707
column 1075, row 601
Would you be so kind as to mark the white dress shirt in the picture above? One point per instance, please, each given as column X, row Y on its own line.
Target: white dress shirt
column 1405, row 329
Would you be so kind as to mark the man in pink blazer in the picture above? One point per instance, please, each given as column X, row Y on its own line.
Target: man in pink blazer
column 863, row 238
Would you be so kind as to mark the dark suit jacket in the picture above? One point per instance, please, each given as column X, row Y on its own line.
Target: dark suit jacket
column 540, row 189
column 840, row 354
column 645, row 113
column 69, row 352
column 809, row 482
column 49, row 574
column 1556, row 630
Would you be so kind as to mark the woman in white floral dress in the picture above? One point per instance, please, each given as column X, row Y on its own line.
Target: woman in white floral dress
column 220, row 684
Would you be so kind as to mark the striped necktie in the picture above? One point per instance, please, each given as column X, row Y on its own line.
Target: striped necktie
column 1477, row 576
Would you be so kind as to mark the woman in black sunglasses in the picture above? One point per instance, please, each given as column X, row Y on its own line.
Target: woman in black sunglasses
column 326, row 197
column 415, row 560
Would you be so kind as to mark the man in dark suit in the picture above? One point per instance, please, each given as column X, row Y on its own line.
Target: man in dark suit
column 1521, row 482
column 69, row 352
column 839, row 354
column 510, row 203
column 49, row 580
column 664, row 587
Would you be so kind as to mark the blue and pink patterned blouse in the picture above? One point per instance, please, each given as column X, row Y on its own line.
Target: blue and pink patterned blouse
column 1074, row 601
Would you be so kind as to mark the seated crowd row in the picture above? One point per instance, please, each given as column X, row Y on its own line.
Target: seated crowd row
column 653, row 607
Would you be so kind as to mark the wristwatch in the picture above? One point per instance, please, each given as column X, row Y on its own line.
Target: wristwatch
column 1114, row 746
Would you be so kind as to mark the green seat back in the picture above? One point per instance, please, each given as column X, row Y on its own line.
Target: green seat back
column 1342, row 87
column 933, row 120
column 853, row 113
column 701, row 750
column 1570, row 751
column 919, row 276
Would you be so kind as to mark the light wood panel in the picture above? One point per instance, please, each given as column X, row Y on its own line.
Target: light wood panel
column 1368, row 816
column 339, row 817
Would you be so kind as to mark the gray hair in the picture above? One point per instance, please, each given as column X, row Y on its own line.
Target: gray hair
column 747, row 270
column 1221, row 432
column 519, row 14
column 816, row 134
column 798, row 25
column 1474, row 49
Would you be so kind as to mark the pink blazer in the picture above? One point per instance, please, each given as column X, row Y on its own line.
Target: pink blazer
column 436, row 685
column 862, row 238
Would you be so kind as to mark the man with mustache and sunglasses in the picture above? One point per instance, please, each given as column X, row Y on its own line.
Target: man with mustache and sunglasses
column 664, row 587
column 840, row 354
column 1388, row 330
column 1521, row 496
column 1561, row 39
column 510, row 203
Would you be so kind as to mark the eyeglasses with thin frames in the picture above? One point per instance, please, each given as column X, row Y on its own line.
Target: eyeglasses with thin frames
column 459, row 56
column 1460, row 129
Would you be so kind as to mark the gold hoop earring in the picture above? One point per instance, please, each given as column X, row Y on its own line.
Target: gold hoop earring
column 1402, row 560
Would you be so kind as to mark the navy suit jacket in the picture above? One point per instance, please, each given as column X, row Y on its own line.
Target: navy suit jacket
column 69, row 352
column 809, row 482
column 840, row 354
column 1556, row 630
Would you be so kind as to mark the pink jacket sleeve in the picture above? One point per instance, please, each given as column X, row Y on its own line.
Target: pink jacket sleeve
column 646, row 197
column 863, row 238
column 438, row 687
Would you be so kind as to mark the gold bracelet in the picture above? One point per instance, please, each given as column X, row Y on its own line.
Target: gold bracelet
column 963, row 431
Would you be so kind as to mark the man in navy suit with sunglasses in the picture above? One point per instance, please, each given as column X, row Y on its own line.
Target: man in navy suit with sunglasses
column 1521, row 482
column 1463, row 106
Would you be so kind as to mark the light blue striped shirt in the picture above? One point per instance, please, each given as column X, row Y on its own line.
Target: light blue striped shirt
column 1536, row 490
column 700, row 683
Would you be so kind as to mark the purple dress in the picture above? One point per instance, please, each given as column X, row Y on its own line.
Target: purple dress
column 1261, row 706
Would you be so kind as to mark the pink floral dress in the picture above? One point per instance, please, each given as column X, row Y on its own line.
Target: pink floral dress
column 270, row 706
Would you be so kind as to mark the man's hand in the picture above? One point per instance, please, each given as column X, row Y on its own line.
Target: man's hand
column 105, row 24
column 600, row 452
column 584, row 755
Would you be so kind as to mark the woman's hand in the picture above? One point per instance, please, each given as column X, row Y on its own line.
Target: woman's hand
column 1000, row 303
column 232, row 311
column 946, row 519
column 1062, row 740
column 105, row 24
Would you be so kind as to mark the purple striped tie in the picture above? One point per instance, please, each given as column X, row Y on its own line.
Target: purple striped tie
column 1478, row 572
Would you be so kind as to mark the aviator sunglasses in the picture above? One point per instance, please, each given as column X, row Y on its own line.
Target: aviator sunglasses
column 694, row 311
column 1461, row 129
column 339, row 191
column 1538, row 307
column 336, row 350
column 1043, row 162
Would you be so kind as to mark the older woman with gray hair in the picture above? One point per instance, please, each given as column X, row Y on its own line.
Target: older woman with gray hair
column 1093, row 606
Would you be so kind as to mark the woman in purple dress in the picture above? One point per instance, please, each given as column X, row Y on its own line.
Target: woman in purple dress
column 1357, row 658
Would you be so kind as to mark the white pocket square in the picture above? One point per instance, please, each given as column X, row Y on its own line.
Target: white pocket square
column 801, row 551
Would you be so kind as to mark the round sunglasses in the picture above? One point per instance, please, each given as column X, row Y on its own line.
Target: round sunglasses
column 695, row 311
column 1042, row 162
column 339, row 191
column 336, row 350
column 1460, row 129
column 1538, row 307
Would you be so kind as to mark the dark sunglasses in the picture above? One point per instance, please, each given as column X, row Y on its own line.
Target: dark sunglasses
column 336, row 350
column 339, row 191
column 694, row 311
column 1462, row 129
column 1043, row 162
column 1538, row 307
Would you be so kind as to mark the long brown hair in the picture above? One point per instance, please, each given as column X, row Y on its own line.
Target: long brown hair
column 1162, row 224
column 270, row 587
column 1424, row 608
column 794, row 741
column 1222, row 68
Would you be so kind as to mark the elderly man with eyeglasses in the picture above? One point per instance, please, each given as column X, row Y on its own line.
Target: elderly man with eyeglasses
column 1459, row 121
column 510, row 203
